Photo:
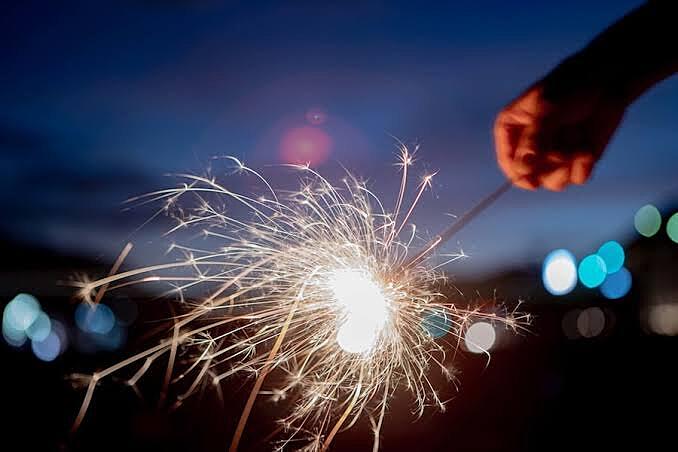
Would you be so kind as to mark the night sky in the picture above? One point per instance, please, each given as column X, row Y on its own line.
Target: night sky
column 101, row 99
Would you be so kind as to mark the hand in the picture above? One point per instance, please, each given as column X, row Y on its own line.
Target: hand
column 553, row 134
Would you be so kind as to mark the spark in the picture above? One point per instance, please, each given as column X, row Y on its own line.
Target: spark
column 314, row 294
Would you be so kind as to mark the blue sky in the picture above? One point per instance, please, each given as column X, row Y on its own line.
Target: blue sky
column 101, row 99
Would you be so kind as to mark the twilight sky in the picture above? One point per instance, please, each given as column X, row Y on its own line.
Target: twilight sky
column 101, row 99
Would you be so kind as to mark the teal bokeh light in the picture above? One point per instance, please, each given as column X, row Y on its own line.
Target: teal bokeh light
column 617, row 284
column 22, row 311
column 437, row 323
column 613, row 255
column 40, row 328
column 592, row 271
column 647, row 220
column 12, row 336
column 18, row 317
column 672, row 227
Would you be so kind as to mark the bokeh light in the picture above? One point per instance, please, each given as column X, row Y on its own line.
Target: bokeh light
column 93, row 342
column 60, row 330
column 663, row 319
column 437, row 324
column 305, row 145
column 17, row 318
column 48, row 348
column 613, row 255
column 94, row 318
column 559, row 272
column 672, row 227
column 22, row 311
column 14, row 337
column 592, row 271
column 569, row 324
column 647, row 220
column 617, row 284
column 112, row 340
column 480, row 337
column 591, row 322
column 40, row 328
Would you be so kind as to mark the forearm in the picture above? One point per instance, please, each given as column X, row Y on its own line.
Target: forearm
column 638, row 51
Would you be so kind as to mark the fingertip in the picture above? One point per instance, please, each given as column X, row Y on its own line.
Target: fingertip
column 556, row 180
column 582, row 166
column 555, row 187
column 526, row 183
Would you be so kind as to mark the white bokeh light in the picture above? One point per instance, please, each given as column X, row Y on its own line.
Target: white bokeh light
column 559, row 272
column 480, row 337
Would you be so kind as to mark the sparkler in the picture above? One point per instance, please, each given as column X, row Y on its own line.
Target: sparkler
column 315, row 294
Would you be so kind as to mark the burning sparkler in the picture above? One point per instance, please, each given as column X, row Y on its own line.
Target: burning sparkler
column 319, row 287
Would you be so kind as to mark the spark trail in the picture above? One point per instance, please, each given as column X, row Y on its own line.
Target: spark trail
column 315, row 294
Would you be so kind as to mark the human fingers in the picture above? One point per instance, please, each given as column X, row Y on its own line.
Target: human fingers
column 557, row 179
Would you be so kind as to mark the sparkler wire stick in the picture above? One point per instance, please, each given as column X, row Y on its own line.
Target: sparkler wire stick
column 462, row 221
column 99, row 295
column 257, row 385
column 116, row 266
column 343, row 417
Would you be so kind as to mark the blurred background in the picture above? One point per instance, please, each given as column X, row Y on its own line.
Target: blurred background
column 102, row 100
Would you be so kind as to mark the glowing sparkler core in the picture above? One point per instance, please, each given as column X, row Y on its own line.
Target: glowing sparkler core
column 364, row 309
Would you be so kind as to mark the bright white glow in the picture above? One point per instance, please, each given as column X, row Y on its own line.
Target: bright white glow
column 357, row 336
column 363, row 307
column 480, row 337
column 560, row 272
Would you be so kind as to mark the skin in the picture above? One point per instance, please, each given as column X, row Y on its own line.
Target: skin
column 553, row 134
